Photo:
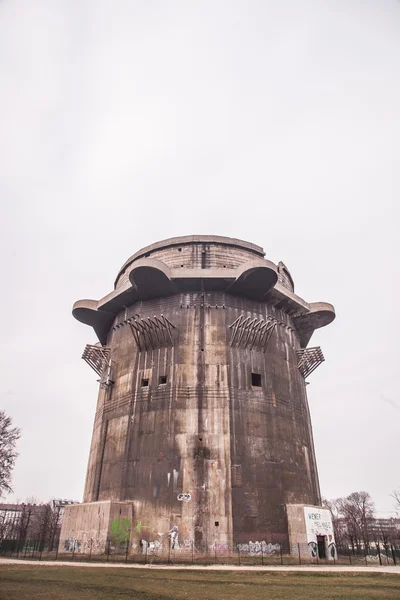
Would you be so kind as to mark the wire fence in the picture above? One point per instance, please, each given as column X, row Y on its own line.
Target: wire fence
column 239, row 554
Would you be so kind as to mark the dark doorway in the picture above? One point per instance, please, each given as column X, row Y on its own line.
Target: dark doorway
column 321, row 546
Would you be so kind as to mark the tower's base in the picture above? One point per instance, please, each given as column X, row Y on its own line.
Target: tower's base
column 92, row 527
column 107, row 526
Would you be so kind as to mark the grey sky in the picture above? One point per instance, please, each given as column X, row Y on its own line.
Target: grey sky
column 127, row 122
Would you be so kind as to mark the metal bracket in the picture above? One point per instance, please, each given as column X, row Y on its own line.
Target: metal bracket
column 152, row 332
column 98, row 357
column 249, row 332
column 309, row 360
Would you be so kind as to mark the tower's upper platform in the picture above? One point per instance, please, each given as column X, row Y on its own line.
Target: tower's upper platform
column 203, row 262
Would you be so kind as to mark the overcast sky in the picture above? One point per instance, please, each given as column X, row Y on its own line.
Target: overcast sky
column 127, row 122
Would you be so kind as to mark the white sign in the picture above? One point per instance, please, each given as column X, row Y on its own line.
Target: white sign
column 318, row 522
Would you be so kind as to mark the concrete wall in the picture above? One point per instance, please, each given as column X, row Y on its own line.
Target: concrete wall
column 89, row 527
column 303, row 538
column 150, row 445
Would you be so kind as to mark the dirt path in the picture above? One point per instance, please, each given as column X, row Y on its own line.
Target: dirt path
column 332, row 569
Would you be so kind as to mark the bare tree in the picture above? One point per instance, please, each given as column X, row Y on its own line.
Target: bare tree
column 358, row 511
column 8, row 439
column 396, row 497
column 353, row 520
column 338, row 523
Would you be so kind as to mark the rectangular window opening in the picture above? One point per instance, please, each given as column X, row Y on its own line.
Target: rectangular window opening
column 162, row 380
column 145, row 383
column 256, row 379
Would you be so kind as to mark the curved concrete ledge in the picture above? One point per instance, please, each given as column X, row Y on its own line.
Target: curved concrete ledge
column 151, row 277
column 319, row 315
column 257, row 279
column 82, row 308
column 254, row 279
column 86, row 311
column 191, row 239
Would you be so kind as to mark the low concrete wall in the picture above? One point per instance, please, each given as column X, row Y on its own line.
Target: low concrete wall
column 303, row 538
column 90, row 526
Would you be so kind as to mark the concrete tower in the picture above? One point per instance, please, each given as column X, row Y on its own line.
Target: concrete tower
column 202, row 432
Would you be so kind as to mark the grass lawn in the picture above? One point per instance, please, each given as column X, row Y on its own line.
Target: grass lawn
column 21, row 582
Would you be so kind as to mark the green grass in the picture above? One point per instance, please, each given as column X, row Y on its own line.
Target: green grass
column 23, row 582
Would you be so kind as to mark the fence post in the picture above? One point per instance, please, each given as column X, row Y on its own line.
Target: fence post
column 90, row 550
column 365, row 554
column 57, row 550
column 262, row 556
column 73, row 550
column 169, row 551
column 280, row 551
column 379, row 553
column 393, row 554
column 298, row 548
column 145, row 555
column 127, row 550
column 26, row 548
column 239, row 554
column 193, row 552
column 108, row 550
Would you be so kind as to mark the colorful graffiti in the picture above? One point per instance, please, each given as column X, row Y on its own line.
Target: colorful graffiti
column 139, row 526
column 72, row 545
column 120, row 530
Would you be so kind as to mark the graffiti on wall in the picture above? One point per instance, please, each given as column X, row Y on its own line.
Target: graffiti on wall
column 156, row 545
column 139, row 526
column 120, row 530
column 71, row 545
column 319, row 524
column 184, row 497
column 173, row 536
column 151, row 547
column 258, row 548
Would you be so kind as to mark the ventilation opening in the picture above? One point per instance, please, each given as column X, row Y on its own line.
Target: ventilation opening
column 203, row 259
column 256, row 379
column 216, row 523
column 179, row 249
column 162, row 380
column 145, row 383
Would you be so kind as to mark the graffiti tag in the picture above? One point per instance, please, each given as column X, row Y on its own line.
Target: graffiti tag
column 184, row 497
column 120, row 530
column 258, row 548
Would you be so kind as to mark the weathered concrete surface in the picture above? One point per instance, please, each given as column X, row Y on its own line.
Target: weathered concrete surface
column 207, row 435
column 90, row 526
